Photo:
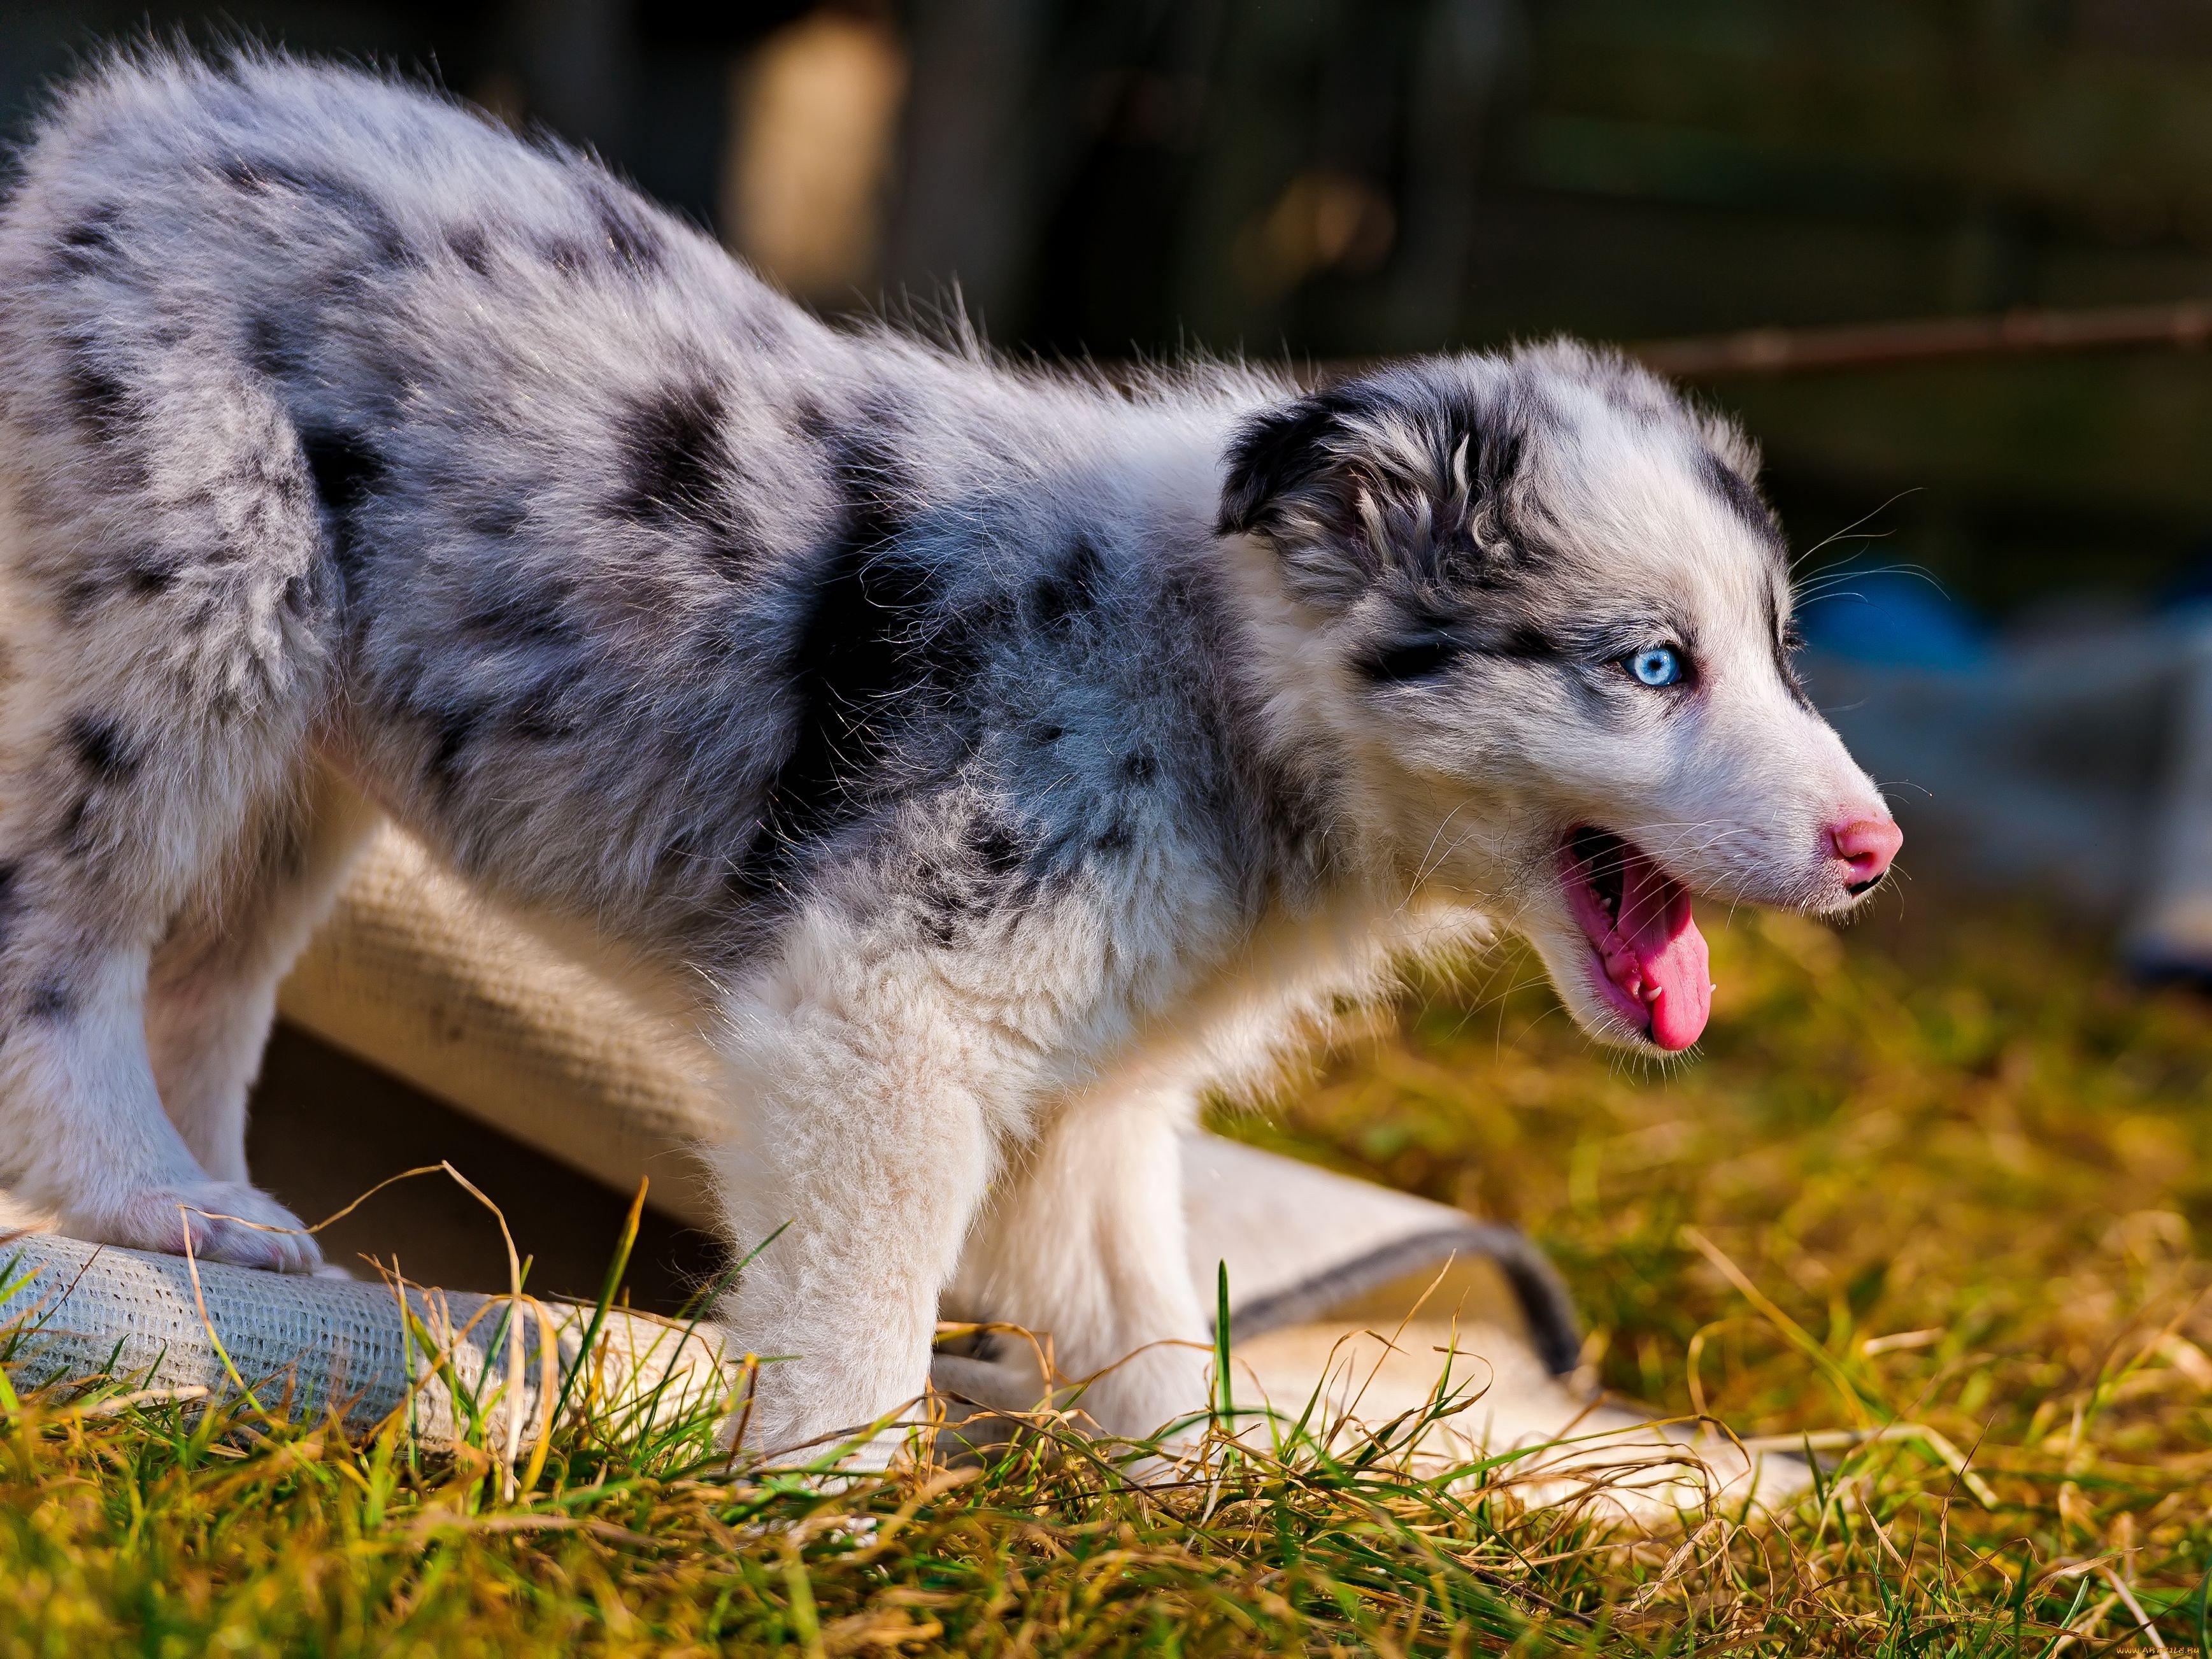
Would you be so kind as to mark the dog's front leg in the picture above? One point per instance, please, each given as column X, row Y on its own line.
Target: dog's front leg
column 861, row 1130
column 1083, row 1239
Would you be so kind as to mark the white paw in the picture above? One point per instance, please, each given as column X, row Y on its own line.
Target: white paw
column 225, row 1221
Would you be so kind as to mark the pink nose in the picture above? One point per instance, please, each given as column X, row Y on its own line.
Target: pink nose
column 1866, row 846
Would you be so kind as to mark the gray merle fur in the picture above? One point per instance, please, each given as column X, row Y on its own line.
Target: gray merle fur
column 968, row 752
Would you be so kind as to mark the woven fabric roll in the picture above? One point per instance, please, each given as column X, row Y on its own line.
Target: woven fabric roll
column 416, row 976
column 76, row 1312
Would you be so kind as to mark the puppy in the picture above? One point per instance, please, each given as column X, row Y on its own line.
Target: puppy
column 985, row 761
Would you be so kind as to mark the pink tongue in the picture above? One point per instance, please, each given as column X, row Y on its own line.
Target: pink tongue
column 1656, row 943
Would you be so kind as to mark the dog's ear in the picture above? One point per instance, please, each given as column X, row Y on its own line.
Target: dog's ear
column 1291, row 479
column 1736, row 449
column 1732, row 467
column 1350, row 482
column 1277, row 458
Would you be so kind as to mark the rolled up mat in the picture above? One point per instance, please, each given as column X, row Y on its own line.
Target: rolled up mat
column 417, row 976
column 73, row 1312
column 1302, row 1244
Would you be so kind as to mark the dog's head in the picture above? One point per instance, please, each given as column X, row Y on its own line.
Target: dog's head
column 1549, row 613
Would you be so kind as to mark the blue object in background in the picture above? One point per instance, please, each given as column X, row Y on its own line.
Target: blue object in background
column 2188, row 589
column 1891, row 617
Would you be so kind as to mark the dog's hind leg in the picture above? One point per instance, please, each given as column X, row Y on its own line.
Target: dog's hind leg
column 166, row 605
column 114, row 820
column 211, row 990
column 89, row 848
column 1084, row 1239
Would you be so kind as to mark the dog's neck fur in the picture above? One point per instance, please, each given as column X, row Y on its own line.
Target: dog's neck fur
column 1382, row 828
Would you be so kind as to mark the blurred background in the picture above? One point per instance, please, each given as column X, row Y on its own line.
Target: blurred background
column 1339, row 178
column 2006, row 504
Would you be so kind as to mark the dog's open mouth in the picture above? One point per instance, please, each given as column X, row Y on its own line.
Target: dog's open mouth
column 1650, row 964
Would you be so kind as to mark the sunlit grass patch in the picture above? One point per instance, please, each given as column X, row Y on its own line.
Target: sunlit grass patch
column 1962, row 1166
column 1929, row 1204
column 200, row 1528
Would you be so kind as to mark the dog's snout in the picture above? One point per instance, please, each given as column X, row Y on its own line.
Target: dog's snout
column 1867, row 847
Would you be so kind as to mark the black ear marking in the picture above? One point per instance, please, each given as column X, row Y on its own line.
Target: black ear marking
column 1407, row 474
column 1276, row 452
column 1741, row 495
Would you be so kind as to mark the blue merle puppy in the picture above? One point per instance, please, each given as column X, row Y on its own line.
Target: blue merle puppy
column 985, row 761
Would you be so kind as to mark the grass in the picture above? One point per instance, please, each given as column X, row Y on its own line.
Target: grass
column 1953, row 1174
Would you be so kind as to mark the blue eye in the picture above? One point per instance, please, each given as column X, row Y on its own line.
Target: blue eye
column 1657, row 665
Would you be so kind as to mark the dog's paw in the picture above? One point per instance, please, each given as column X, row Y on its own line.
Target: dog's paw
column 225, row 1221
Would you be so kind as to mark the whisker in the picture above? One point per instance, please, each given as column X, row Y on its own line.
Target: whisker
column 1854, row 525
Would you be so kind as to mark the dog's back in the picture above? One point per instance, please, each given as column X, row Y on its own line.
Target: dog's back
column 317, row 379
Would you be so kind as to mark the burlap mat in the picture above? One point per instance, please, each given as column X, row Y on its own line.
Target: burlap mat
column 162, row 1327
